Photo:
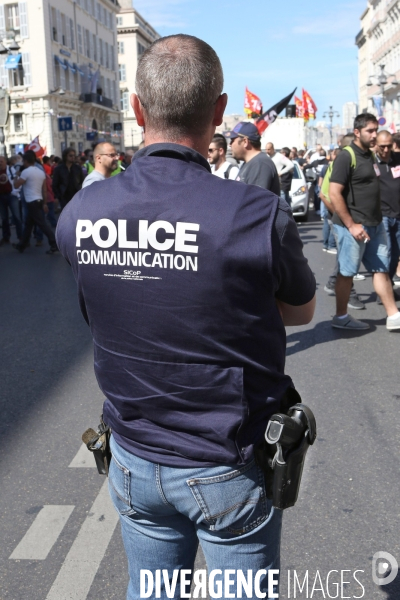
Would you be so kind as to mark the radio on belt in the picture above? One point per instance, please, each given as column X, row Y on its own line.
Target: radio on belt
column 289, row 437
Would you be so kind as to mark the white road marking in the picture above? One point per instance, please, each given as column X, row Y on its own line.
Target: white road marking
column 83, row 459
column 83, row 560
column 43, row 533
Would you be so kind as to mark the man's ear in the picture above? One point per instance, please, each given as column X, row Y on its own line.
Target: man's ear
column 219, row 110
column 137, row 109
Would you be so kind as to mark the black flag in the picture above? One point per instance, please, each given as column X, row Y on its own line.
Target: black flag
column 270, row 115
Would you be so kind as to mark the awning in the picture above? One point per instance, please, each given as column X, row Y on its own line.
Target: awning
column 70, row 66
column 60, row 62
column 79, row 70
column 12, row 61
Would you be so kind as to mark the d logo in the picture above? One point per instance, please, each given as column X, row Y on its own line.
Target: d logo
column 384, row 568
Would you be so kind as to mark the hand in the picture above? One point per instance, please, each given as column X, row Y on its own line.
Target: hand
column 45, row 208
column 358, row 232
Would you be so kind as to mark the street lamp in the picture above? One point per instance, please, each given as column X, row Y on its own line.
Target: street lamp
column 331, row 114
column 382, row 80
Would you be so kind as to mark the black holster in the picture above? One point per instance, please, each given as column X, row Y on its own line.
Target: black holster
column 98, row 442
column 282, row 453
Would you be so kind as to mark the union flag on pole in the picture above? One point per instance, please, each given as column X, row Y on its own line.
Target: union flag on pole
column 252, row 104
column 270, row 115
column 299, row 107
column 36, row 147
column 309, row 106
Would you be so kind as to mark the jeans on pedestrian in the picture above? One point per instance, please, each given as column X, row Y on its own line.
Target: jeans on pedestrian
column 10, row 201
column 328, row 239
column 36, row 216
column 286, row 196
column 392, row 227
column 166, row 511
column 50, row 217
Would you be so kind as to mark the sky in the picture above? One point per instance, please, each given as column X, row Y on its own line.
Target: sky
column 272, row 46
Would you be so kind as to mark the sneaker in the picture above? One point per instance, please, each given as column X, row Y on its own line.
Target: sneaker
column 52, row 251
column 392, row 324
column 332, row 251
column 396, row 280
column 330, row 290
column 360, row 277
column 19, row 247
column 350, row 323
column 355, row 303
column 324, row 249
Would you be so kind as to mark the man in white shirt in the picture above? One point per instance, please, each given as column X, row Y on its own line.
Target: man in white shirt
column 217, row 159
column 282, row 163
column 105, row 162
column 34, row 185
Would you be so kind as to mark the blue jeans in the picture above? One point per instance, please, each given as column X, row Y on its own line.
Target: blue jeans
column 9, row 201
column 374, row 254
column 392, row 227
column 166, row 511
column 286, row 196
column 328, row 238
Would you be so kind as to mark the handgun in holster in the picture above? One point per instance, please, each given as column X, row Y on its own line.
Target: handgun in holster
column 98, row 442
column 287, row 438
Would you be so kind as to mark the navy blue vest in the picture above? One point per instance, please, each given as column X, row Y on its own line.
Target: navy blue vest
column 177, row 279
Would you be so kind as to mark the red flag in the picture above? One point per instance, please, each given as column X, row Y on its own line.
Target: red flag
column 299, row 107
column 36, row 147
column 392, row 128
column 252, row 104
column 309, row 106
column 270, row 115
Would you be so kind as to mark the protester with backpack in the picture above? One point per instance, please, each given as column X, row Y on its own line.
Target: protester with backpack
column 217, row 158
column 360, row 234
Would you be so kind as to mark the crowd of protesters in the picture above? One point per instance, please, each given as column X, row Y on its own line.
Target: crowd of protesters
column 34, row 190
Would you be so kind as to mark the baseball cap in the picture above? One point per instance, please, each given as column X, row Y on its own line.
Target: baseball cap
column 246, row 129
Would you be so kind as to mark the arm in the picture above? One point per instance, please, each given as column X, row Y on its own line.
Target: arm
column 295, row 296
column 287, row 166
column 296, row 315
column 340, row 208
column 44, row 196
column 19, row 182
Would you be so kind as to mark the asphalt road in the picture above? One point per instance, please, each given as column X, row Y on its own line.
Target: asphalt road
column 59, row 536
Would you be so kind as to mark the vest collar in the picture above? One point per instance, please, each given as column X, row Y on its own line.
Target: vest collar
column 169, row 150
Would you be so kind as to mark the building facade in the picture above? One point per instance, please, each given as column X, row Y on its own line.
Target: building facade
column 378, row 44
column 66, row 66
column 134, row 36
column 349, row 112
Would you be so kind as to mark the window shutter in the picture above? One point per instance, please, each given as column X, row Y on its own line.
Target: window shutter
column 62, row 77
column 71, row 29
column 67, row 32
column 98, row 51
column 51, row 24
column 59, row 27
column 98, row 12
column 71, row 80
column 92, row 47
column 2, row 21
column 80, row 48
column 112, row 58
column 3, row 72
column 94, row 42
column 23, row 19
column 26, row 64
column 107, row 57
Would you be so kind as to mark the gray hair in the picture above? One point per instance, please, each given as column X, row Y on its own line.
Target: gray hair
column 178, row 80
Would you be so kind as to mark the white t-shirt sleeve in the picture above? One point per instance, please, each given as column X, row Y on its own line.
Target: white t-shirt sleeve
column 233, row 173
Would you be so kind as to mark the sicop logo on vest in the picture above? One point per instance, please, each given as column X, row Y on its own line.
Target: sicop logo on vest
column 177, row 238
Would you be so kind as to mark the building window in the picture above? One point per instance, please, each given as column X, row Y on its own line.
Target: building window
column 122, row 72
column 121, row 47
column 18, row 122
column 140, row 49
column 12, row 17
column 64, row 31
column 17, row 75
column 72, row 36
column 125, row 101
column 119, row 21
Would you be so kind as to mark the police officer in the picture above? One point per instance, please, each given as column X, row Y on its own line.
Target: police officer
column 187, row 282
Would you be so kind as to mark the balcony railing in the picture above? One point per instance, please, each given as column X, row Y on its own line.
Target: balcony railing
column 97, row 99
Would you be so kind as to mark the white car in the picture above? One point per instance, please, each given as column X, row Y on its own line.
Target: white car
column 299, row 194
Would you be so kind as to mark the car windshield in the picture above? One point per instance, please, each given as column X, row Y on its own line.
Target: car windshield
column 296, row 171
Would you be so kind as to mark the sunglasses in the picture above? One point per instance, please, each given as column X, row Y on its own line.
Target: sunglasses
column 383, row 146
